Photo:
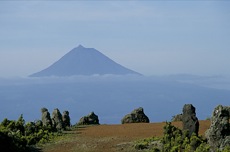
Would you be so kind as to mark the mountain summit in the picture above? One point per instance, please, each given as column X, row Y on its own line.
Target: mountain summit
column 84, row 61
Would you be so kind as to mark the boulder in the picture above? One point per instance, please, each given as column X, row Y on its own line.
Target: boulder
column 177, row 118
column 46, row 120
column 189, row 119
column 136, row 116
column 90, row 119
column 218, row 134
column 57, row 120
column 66, row 119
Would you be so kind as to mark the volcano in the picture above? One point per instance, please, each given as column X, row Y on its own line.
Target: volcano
column 84, row 61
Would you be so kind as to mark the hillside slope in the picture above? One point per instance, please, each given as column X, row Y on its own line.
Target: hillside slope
column 108, row 138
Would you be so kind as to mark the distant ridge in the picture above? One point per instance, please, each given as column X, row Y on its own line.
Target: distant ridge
column 84, row 61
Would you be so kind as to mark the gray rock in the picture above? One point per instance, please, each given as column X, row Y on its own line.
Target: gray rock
column 189, row 119
column 90, row 119
column 218, row 134
column 177, row 118
column 57, row 120
column 136, row 116
column 46, row 120
column 66, row 119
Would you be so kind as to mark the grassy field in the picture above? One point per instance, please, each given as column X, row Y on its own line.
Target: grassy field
column 109, row 138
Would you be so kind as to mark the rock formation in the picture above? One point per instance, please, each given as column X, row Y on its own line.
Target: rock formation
column 66, row 119
column 90, row 119
column 218, row 135
column 189, row 119
column 135, row 116
column 177, row 117
column 57, row 120
column 46, row 120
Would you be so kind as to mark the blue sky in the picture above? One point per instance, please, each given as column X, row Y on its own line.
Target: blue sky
column 150, row 37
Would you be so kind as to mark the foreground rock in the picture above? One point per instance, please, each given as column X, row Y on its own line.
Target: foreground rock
column 189, row 119
column 57, row 120
column 90, row 119
column 218, row 135
column 46, row 120
column 136, row 116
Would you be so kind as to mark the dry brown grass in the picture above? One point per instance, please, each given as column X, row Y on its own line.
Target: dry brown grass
column 111, row 137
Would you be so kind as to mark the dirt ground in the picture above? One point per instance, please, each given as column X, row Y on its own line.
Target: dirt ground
column 107, row 138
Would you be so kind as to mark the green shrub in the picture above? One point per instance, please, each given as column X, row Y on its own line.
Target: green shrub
column 203, row 147
column 226, row 149
column 141, row 145
column 146, row 144
column 175, row 140
column 18, row 136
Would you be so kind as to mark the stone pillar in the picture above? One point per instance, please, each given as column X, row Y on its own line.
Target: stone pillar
column 57, row 119
column 189, row 119
column 66, row 119
column 46, row 120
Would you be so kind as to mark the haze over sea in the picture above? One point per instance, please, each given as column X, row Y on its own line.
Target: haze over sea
column 110, row 96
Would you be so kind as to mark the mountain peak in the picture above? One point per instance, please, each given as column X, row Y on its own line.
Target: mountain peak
column 84, row 61
column 80, row 46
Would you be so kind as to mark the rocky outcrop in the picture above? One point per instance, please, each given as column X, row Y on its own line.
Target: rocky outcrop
column 136, row 116
column 57, row 120
column 218, row 135
column 90, row 119
column 177, row 118
column 189, row 119
column 66, row 119
column 46, row 120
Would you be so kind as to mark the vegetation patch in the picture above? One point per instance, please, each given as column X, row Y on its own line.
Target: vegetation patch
column 175, row 140
column 20, row 136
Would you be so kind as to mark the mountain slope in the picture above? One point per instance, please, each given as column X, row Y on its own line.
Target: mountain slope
column 84, row 61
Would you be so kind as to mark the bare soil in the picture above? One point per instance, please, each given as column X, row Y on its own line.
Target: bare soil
column 108, row 138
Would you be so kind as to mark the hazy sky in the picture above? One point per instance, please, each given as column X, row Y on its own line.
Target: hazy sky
column 150, row 37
